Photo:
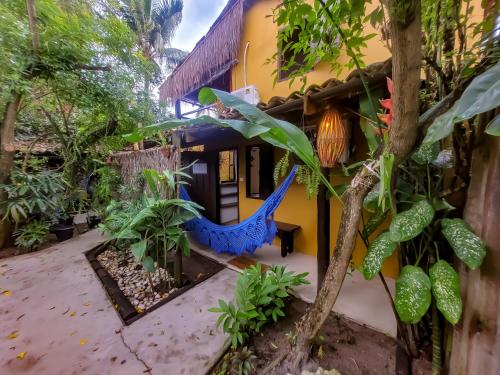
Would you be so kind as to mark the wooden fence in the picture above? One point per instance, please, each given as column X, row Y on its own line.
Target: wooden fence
column 476, row 339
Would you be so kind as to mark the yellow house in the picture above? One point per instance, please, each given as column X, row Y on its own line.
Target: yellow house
column 233, row 176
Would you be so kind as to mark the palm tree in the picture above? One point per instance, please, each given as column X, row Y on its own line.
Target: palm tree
column 154, row 22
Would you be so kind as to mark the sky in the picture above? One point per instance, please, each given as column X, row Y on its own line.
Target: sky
column 197, row 17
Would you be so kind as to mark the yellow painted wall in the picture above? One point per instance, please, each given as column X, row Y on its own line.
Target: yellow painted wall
column 296, row 208
column 261, row 32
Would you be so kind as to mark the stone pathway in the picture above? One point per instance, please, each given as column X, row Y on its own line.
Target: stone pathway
column 54, row 310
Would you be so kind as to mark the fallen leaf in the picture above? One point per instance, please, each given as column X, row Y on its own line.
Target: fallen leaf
column 83, row 342
column 87, row 304
column 73, row 333
column 6, row 292
column 320, row 352
column 116, row 306
column 21, row 355
column 13, row 335
column 273, row 345
column 139, row 310
column 72, row 313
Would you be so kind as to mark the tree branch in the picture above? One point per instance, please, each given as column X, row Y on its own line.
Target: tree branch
column 442, row 76
column 105, row 68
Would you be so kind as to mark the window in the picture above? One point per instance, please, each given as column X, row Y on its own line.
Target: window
column 259, row 171
column 227, row 166
column 285, row 57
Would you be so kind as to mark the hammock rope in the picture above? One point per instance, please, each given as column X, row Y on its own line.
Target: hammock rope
column 246, row 236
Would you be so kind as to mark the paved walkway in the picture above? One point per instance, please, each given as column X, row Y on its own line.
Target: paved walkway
column 54, row 310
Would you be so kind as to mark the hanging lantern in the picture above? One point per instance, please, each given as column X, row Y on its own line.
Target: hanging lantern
column 332, row 138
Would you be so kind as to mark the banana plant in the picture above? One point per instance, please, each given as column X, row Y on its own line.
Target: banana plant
column 257, row 123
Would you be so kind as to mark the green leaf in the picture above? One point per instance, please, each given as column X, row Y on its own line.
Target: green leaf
column 446, row 290
column 413, row 294
column 148, row 264
column 440, row 128
column 206, row 96
column 493, row 128
column 386, row 164
column 426, row 153
column 184, row 245
column 468, row 247
column 482, row 95
column 378, row 251
column 409, row 224
column 370, row 203
column 152, row 177
column 139, row 249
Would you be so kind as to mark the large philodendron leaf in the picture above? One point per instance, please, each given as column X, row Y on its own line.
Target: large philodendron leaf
column 445, row 284
column 281, row 133
column 493, row 128
column 413, row 294
column 409, row 224
column 482, row 95
column 378, row 251
column 468, row 247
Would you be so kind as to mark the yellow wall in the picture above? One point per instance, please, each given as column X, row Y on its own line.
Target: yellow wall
column 296, row 208
column 261, row 32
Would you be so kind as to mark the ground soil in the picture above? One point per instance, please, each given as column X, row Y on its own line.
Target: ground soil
column 344, row 345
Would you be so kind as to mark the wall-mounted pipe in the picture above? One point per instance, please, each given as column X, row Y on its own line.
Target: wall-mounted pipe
column 245, row 65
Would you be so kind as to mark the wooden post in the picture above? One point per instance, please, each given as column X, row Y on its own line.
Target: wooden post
column 178, row 113
column 323, row 231
column 476, row 338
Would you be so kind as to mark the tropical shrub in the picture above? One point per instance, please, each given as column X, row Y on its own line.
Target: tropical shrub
column 259, row 297
column 237, row 362
column 32, row 235
column 31, row 194
column 152, row 225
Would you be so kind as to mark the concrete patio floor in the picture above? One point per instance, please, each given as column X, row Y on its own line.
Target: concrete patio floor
column 363, row 301
column 54, row 309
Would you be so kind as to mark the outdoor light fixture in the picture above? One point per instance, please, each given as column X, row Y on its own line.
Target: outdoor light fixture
column 332, row 138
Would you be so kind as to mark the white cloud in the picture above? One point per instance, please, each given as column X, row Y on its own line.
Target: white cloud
column 197, row 17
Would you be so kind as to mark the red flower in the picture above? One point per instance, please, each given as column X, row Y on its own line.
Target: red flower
column 386, row 118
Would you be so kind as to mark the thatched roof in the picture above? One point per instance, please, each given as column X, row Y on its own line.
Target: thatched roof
column 212, row 55
column 35, row 148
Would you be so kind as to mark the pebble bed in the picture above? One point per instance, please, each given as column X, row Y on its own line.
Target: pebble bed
column 131, row 278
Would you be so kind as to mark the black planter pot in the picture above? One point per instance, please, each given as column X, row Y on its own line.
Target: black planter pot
column 93, row 221
column 63, row 232
column 66, row 222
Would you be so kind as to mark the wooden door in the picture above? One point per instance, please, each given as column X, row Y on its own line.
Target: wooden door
column 204, row 183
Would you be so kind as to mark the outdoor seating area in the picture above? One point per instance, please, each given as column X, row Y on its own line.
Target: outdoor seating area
column 249, row 187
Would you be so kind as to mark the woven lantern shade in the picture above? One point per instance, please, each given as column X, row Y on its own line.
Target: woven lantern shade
column 332, row 138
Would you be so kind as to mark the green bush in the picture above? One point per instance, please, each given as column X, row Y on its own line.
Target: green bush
column 32, row 194
column 259, row 297
column 32, row 235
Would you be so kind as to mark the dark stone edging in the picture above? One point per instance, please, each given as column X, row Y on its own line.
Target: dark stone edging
column 128, row 314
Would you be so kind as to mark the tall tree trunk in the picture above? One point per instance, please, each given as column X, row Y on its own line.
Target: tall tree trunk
column 7, row 154
column 406, row 35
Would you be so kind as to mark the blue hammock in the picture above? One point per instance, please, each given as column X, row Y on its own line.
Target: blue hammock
column 249, row 234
